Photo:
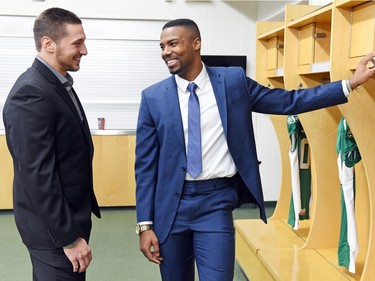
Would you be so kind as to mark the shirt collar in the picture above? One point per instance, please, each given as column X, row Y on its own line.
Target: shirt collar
column 200, row 81
column 66, row 80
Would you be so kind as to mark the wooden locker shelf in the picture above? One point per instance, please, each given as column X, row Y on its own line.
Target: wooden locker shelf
column 359, row 114
column 348, row 3
column 272, row 42
column 277, row 31
column 312, row 36
column 350, row 32
column 320, row 14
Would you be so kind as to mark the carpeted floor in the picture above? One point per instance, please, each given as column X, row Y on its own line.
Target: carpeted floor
column 116, row 256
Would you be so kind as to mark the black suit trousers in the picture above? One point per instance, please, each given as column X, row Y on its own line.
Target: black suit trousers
column 53, row 265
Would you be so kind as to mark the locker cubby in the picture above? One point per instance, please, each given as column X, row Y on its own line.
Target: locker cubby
column 321, row 44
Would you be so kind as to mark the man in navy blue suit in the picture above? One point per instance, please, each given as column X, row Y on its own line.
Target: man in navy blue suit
column 186, row 217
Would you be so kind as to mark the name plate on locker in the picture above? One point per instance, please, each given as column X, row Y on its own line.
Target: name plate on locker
column 320, row 67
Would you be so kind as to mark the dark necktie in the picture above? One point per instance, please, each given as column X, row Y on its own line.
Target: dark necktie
column 194, row 151
column 69, row 87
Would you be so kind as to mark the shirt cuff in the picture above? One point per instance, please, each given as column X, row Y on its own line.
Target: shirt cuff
column 345, row 88
column 145, row 222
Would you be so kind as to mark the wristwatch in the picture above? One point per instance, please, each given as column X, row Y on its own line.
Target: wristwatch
column 139, row 228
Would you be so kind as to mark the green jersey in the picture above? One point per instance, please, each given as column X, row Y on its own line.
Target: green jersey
column 348, row 156
column 300, row 172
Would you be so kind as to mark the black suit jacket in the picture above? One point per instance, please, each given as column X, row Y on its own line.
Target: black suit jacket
column 52, row 153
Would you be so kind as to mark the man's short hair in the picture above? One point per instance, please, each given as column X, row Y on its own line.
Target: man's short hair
column 187, row 23
column 52, row 23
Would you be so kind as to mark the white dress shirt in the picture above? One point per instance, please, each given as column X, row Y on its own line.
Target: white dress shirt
column 216, row 159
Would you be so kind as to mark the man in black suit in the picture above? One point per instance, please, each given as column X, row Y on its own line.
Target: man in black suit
column 49, row 139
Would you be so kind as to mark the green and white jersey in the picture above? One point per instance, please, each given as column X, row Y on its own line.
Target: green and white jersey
column 300, row 173
column 348, row 156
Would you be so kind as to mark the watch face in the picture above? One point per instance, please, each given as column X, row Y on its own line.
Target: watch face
column 137, row 230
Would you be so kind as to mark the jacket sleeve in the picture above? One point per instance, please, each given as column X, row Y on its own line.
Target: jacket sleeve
column 146, row 163
column 284, row 102
column 30, row 125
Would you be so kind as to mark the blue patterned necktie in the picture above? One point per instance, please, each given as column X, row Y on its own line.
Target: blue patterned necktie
column 194, row 151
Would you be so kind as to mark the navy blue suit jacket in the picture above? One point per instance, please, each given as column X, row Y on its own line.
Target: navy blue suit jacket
column 160, row 165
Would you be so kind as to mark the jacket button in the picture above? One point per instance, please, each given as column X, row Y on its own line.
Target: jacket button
column 183, row 169
column 177, row 194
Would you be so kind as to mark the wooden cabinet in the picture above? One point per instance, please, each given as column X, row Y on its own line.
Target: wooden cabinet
column 362, row 33
column 306, row 45
column 113, row 168
column 274, row 56
column 114, row 180
column 6, row 176
column 270, row 43
column 313, row 40
column 308, row 34
column 321, row 44
column 359, row 113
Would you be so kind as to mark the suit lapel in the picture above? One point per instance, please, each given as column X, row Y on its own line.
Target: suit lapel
column 218, row 86
column 173, row 107
column 173, row 104
column 63, row 93
column 60, row 89
column 84, row 124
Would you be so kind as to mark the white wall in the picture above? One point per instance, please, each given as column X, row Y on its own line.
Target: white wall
column 319, row 2
column 227, row 28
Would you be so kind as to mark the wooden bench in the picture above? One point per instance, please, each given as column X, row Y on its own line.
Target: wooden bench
column 274, row 251
column 254, row 235
column 297, row 264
